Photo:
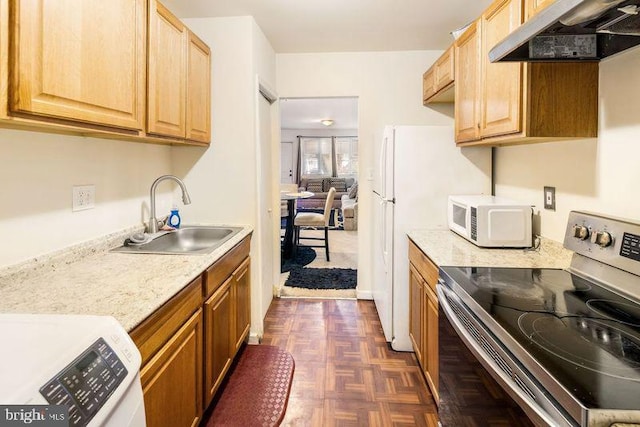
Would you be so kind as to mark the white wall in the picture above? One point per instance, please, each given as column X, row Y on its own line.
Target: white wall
column 38, row 170
column 599, row 174
column 389, row 90
column 223, row 180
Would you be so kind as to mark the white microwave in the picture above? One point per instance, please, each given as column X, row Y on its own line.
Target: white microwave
column 492, row 222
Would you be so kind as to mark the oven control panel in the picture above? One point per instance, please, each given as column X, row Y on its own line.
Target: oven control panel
column 613, row 241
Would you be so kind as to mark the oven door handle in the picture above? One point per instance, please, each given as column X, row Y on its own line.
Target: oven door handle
column 534, row 409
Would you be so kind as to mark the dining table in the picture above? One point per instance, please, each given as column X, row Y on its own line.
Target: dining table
column 291, row 199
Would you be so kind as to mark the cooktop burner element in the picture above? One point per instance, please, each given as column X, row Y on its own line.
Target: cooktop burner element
column 616, row 310
column 587, row 343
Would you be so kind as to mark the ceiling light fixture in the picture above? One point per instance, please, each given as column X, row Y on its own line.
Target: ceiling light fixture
column 326, row 122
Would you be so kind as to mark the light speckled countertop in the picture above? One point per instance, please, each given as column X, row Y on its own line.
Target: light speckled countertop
column 87, row 279
column 445, row 248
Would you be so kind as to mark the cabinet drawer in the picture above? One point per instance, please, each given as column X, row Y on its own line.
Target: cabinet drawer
column 225, row 266
column 424, row 265
column 156, row 330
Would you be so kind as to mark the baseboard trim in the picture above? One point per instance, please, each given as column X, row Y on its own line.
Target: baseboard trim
column 254, row 338
column 364, row 295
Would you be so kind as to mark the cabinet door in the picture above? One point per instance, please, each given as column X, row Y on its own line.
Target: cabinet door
column 502, row 82
column 428, row 85
column 82, row 60
column 535, row 6
column 416, row 309
column 198, row 90
column 445, row 70
column 467, row 93
column 242, row 301
column 167, row 68
column 218, row 338
column 172, row 380
column 431, row 341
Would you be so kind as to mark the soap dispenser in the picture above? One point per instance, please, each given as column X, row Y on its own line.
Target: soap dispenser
column 174, row 218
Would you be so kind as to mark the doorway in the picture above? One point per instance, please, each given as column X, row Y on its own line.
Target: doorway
column 319, row 150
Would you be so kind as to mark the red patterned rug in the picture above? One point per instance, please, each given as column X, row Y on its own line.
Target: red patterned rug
column 257, row 391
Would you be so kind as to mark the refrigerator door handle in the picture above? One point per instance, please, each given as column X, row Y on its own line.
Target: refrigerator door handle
column 383, row 239
column 383, row 166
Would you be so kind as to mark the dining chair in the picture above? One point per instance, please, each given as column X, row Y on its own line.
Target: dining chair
column 313, row 219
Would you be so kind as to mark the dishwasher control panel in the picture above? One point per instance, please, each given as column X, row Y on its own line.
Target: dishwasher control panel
column 86, row 383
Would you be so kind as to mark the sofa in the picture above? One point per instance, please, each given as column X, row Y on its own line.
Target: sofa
column 320, row 188
column 349, row 206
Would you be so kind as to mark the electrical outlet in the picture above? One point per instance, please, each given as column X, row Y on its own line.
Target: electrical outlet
column 550, row 198
column 84, row 197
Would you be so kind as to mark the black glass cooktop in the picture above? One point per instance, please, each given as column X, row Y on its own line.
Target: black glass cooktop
column 585, row 336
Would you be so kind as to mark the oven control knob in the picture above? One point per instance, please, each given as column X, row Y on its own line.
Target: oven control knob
column 580, row 232
column 601, row 238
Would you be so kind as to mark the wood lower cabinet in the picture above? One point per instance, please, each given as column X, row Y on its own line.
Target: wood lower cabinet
column 220, row 338
column 172, row 380
column 416, row 311
column 189, row 343
column 430, row 313
column 227, row 317
column 241, row 291
column 423, row 314
column 79, row 60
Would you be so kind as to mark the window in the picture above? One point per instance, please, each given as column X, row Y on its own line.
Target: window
column 346, row 156
column 315, row 156
column 329, row 156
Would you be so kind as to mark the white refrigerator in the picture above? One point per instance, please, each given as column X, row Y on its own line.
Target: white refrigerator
column 417, row 168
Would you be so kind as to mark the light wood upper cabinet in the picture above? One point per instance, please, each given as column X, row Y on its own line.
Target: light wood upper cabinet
column 437, row 81
column 198, row 90
column 520, row 102
column 532, row 7
column 502, row 82
column 80, row 60
column 467, row 76
column 445, row 69
column 167, row 65
column 428, row 85
column 179, row 79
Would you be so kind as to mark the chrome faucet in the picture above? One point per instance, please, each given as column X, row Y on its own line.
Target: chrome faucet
column 153, row 221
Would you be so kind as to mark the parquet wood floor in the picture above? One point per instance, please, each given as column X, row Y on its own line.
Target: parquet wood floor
column 346, row 374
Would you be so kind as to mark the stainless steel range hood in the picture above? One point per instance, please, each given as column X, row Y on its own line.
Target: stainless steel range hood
column 573, row 30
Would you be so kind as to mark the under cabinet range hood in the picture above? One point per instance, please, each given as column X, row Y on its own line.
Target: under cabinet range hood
column 573, row 30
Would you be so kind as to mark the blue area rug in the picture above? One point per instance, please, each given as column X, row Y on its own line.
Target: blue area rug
column 304, row 256
column 323, row 278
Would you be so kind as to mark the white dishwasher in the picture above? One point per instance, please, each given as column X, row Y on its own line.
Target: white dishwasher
column 87, row 363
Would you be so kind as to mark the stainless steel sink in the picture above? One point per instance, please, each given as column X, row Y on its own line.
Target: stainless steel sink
column 188, row 240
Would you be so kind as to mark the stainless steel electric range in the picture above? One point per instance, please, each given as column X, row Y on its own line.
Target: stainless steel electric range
column 564, row 344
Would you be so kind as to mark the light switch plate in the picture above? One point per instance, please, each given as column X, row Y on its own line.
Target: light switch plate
column 550, row 198
column 84, row 197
